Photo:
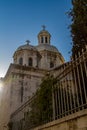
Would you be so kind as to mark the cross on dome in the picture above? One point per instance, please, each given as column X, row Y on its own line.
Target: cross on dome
column 27, row 41
column 43, row 26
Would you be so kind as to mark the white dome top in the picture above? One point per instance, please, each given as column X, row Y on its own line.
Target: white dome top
column 26, row 47
column 44, row 32
column 47, row 47
column 27, row 54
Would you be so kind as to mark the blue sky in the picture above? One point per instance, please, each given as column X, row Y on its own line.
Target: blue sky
column 21, row 20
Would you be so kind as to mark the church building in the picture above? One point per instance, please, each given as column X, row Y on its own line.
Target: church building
column 24, row 75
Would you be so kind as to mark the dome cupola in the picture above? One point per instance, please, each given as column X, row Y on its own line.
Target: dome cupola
column 44, row 36
column 26, row 55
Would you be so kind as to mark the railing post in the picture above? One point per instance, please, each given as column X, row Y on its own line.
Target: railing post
column 53, row 103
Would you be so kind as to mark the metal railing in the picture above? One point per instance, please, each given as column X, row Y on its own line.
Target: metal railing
column 70, row 91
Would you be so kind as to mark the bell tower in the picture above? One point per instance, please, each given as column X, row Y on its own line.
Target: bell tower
column 44, row 36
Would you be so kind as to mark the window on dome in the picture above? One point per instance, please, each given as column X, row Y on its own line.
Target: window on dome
column 42, row 40
column 45, row 39
column 21, row 61
column 30, row 62
column 51, row 64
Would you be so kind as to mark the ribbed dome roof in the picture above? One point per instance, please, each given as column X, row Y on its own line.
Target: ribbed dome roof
column 47, row 47
column 44, row 32
column 26, row 47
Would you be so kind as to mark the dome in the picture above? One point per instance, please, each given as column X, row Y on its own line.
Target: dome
column 44, row 36
column 47, row 47
column 26, row 47
column 44, row 32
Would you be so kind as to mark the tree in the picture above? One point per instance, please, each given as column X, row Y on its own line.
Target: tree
column 78, row 15
column 43, row 101
column 41, row 106
column 10, row 124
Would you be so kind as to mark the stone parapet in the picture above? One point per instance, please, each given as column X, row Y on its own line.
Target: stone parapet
column 76, row 121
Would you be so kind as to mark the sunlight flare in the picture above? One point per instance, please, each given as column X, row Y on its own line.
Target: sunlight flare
column 1, row 86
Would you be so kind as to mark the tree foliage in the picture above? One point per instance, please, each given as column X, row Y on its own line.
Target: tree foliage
column 10, row 124
column 78, row 15
column 41, row 107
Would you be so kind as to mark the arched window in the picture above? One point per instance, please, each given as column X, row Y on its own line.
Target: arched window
column 30, row 62
column 21, row 61
column 51, row 64
column 42, row 40
column 45, row 39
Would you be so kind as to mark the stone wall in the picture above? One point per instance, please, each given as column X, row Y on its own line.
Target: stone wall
column 27, row 77
column 76, row 121
column 5, row 105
